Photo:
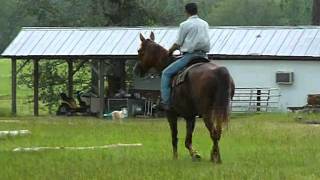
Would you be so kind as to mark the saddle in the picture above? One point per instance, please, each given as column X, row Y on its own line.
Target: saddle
column 181, row 76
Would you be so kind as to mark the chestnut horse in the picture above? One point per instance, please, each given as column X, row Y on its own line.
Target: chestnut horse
column 207, row 92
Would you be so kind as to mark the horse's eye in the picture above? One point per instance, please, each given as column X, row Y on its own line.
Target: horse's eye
column 140, row 52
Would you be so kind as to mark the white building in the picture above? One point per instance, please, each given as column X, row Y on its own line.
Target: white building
column 262, row 73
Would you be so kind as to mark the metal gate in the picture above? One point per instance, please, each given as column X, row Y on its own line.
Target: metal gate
column 255, row 100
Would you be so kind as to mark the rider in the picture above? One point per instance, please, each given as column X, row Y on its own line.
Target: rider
column 192, row 40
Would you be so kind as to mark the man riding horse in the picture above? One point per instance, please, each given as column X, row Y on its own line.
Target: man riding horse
column 193, row 41
column 205, row 90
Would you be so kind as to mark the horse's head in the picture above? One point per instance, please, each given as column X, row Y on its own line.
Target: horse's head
column 150, row 55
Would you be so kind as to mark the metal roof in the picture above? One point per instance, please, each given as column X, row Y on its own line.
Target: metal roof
column 120, row 41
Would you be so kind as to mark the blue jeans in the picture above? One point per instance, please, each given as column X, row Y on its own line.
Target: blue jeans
column 171, row 70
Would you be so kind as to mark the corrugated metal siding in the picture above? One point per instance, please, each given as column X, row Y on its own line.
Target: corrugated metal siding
column 246, row 41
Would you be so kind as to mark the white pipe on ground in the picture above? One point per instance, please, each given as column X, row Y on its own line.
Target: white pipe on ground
column 14, row 133
column 33, row 149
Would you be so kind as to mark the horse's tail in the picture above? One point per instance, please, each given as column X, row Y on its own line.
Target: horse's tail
column 222, row 95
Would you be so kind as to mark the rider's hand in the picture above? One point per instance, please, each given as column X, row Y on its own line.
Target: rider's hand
column 173, row 48
column 171, row 53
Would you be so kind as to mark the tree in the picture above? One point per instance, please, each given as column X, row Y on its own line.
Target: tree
column 245, row 12
column 121, row 12
column 53, row 80
column 296, row 12
column 316, row 12
column 10, row 22
column 260, row 13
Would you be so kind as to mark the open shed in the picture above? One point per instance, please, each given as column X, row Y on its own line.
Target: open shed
column 254, row 55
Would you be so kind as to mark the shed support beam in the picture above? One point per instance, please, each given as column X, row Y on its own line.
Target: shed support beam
column 36, row 87
column 95, row 77
column 70, row 78
column 13, row 87
column 101, row 88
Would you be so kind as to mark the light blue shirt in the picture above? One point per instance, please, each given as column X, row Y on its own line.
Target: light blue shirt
column 193, row 35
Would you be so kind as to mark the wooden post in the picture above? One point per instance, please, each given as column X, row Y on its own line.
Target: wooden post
column 36, row 87
column 13, row 87
column 94, row 77
column 70, row 78
column 258, row 100
column 101, row 87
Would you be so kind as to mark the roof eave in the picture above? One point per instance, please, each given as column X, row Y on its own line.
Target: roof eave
column 133, row 57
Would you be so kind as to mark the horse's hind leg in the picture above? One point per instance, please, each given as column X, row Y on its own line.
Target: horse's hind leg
column 172, row 118
column 215, row 154
column 188, row 142
column 215, row 136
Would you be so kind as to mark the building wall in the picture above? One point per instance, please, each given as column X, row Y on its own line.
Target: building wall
column 261, row 73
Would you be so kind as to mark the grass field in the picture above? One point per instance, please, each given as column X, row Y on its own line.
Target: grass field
column 5, row 84
column 5, row 81
column 23, row 107
column 272, row 146
column 5, row 77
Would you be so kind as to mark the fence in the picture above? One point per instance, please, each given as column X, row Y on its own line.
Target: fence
column 255, row 100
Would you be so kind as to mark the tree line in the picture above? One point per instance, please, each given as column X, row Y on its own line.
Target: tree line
column 18, row 13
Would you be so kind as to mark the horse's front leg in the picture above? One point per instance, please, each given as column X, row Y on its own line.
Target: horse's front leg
column 172, row 119
column 188, row 142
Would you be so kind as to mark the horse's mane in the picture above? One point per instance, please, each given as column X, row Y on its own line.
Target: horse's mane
column 158, row 46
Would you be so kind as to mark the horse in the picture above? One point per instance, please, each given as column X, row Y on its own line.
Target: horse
column 206, row 91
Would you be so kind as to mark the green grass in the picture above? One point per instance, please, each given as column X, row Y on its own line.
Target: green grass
column 23, row 106
column 5, row 77
column 5, row 87
column 5, row 81
column 263, row 146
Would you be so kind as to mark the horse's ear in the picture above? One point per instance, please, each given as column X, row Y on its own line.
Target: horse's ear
column 152, row 36
column 142, row 38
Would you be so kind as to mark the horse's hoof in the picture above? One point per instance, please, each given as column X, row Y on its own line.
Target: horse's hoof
column 216, row 160
column 175, row 157
column 196, row 157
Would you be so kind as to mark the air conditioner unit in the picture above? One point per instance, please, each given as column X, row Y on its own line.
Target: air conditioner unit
column 284, row 77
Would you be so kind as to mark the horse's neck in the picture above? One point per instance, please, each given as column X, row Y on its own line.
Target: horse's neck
column 163, row 59
column 165, row 62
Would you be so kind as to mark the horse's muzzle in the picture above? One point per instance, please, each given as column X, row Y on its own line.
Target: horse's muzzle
column 138, row 70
